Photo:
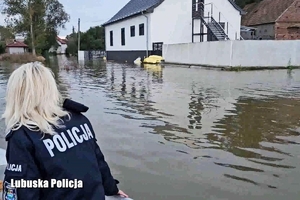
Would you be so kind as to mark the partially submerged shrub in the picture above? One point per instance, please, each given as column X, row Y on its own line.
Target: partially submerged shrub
column 21, row 58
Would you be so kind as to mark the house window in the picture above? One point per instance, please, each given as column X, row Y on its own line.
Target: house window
column 132, row 31
column 111, row 38
column 123, row 36
column 141, row 29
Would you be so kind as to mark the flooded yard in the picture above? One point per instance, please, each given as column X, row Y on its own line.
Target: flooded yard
column 177, row 133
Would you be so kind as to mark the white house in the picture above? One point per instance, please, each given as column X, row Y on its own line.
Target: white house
column 141, row 27
column 16, row 47
column 62, row 45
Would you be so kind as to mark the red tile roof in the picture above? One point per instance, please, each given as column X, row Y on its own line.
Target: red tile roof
column 17, row 44
column 264, row 12
column 62, row 41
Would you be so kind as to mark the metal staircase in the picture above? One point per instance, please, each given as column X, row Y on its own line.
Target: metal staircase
column 215, row 28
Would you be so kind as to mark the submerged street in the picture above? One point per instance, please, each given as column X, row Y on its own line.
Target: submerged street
column 178, row 133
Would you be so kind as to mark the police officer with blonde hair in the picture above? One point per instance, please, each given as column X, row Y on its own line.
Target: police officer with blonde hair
column 52, row 151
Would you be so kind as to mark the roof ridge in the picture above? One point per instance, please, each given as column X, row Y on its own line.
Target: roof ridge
column 134, row 7
column 118, row 11
column 17, row 44
column 285, row 10
column 242, row 12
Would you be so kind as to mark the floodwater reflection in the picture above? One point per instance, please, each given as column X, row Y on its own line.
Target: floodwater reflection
column 236, row 135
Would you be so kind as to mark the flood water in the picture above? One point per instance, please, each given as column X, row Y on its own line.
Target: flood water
column 177, row 133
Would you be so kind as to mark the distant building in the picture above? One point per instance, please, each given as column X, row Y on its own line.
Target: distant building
column 16, row 47
column 19, row 38
column 248, row 33
column 61, row 46
column 141, row 27
column 274, row 19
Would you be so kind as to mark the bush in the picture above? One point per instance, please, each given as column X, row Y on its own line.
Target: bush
column 72, row 48
column 2, row 48
column 52, row 53
column 20, row 58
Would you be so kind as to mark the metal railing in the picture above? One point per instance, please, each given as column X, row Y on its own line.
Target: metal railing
column 218, row 24
column 210, row 14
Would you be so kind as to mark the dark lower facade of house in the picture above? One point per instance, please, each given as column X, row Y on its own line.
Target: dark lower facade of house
column 125, row 56
column 130, row 56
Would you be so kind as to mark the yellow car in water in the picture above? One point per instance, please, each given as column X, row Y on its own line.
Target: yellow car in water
column 153, row 60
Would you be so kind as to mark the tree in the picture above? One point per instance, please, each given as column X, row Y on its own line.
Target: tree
column 92, row 39
column 72, row 43
column 5, row 33
column 39, row 20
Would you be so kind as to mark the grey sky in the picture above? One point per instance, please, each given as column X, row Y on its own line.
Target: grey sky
column 90, row 12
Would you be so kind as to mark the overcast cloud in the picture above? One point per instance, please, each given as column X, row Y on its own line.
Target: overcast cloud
column 91, row 13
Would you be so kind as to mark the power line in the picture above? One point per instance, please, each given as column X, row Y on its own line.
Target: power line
column 97, row 21
column 94, row 21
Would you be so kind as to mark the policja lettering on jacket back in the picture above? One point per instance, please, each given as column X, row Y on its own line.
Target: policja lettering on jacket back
column 14, row 167
column 62, row 143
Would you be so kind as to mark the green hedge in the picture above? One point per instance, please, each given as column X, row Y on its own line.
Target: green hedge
column 2, row 47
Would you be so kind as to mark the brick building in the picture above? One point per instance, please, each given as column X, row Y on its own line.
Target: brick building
column 274, row 19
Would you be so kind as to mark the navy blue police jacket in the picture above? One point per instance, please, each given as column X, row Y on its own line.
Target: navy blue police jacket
column 68, row 165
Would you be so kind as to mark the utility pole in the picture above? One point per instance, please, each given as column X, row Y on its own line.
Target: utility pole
column 78, row 34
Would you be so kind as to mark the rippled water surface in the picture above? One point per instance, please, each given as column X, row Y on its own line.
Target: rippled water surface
column 177, row 133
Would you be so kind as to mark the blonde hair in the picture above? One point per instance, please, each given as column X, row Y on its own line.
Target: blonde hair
column 33, row 100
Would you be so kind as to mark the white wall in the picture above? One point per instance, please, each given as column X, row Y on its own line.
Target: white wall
column 209, row 53
column 16, row 50
column 228, row 14
column 131, row 43
column 81, row 56
column 171, row 22
column 62, row 49
column 243, row 53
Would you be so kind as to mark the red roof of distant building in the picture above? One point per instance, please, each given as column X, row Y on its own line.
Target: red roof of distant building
column 16, row 44
column 62, row 41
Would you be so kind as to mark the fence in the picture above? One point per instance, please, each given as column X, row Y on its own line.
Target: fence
column 91, row 55
column 245, row 53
